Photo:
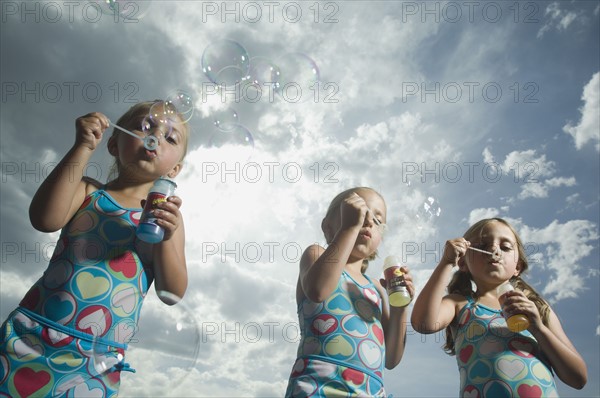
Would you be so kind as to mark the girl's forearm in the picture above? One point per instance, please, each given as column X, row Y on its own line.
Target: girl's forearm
column 395, row 336
column 566, row 362
column 170, row 269
column 426, row 311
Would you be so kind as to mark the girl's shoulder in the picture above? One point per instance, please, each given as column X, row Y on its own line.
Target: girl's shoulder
column 311, row 254
column 458, row 301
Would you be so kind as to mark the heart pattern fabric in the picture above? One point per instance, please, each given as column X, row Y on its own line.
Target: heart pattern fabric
column 495, row 362
column 95, row 284
column 342, row 351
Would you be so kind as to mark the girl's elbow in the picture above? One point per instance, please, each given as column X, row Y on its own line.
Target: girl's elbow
column 315, row 295
column 580, row 381
column 389, row 365
column 419, row 326
column 171, row 297
column 45, row 227
column 43, row 223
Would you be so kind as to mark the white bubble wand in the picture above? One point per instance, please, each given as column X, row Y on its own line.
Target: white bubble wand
column 150, row 141
column 495, row 255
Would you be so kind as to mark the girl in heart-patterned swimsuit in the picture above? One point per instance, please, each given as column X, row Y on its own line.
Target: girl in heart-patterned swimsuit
column 496, row 359
column 348, row 331
column 68, row 336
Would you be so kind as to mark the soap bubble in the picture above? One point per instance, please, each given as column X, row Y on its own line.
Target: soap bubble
column 160, row 116
column 299, row 77
column 226, row 120
column 181, row 103
column 429, row 209
column 177, row 336
column 226, row 63
column 126, row 9
column 168, row 336
column 237, row 141
column 263, row 79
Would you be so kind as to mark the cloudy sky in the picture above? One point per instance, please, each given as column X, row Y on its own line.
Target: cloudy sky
column 453, row 111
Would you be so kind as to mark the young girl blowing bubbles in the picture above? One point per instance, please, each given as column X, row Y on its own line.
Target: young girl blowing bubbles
column 91, row 294
column 494, row 361
column 348, row 331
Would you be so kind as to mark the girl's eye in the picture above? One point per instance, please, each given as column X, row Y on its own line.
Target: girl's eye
column 506, row 248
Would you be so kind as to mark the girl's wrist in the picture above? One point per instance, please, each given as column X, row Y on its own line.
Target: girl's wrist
column 82, row 148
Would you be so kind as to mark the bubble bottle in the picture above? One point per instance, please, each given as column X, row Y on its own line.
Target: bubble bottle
column 396, row 286
column 147, row 229
column 518, row 322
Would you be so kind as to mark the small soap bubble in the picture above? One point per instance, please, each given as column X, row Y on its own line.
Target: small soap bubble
column 299, row 77
column 226, row 120
column 126, row 9
column 226, row 63
column 431, row 207
column 238, row 142
column 429, row 210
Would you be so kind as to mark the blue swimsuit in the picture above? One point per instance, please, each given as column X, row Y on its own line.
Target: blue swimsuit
column 68, row 335
column 495, row 362
column 342, row 349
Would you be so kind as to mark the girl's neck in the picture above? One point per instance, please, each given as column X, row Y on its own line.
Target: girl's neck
column 487, row 295
column 354, row 268
column 129, row 193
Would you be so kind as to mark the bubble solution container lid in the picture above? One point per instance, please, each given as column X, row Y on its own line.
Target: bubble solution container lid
column 503, row 288
column 163, row 185
column 150, row 233
column 391, row 261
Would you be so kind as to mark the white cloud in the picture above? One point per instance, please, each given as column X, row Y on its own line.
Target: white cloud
column 588, row 127
column 561, row 246
column 556, row 18
column 479, row 214
column 532, row 171
column 541, row 189
column 488, row 158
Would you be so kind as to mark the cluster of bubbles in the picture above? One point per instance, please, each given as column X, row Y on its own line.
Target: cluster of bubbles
column 162, row 117
column 228, row 66
column 125, row 9
column 226, row 63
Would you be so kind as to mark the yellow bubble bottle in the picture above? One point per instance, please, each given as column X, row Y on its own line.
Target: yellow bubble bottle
column 396, row 286
column 518, row 322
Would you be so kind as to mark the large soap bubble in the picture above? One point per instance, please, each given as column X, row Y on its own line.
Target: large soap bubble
column 226, row 63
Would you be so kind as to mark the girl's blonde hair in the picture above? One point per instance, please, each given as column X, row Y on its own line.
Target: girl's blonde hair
column 461, row 280
column 335, row 206
column 129, row 120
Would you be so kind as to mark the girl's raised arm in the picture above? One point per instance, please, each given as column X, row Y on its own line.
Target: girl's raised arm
column 433, row 311
column 320, row 270
column 63, row 191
